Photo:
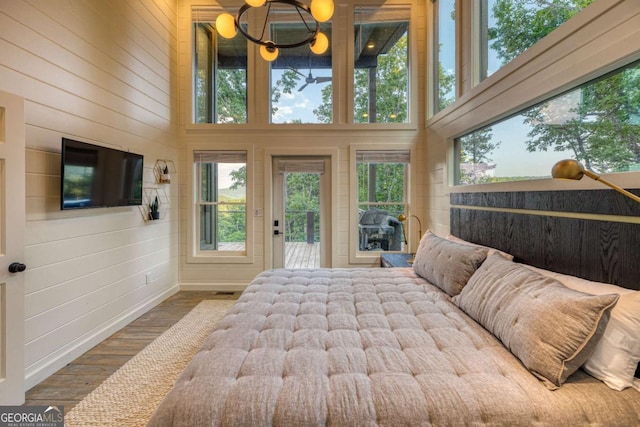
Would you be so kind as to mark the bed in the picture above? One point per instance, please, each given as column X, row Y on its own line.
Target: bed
column 466, row 336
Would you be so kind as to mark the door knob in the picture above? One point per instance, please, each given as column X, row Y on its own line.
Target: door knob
column 17, row 267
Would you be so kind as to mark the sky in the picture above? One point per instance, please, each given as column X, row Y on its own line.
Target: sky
column 300, row 104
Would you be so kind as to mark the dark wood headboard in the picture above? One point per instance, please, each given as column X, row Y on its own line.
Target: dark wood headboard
column 593, row 234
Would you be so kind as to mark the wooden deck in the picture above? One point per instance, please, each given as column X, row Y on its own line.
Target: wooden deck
column 301, row 255
column 296, row 254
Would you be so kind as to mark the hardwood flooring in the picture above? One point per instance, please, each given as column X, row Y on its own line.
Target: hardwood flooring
column 72, row 383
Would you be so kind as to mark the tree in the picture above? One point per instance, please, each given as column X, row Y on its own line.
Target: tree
column 601, row 130
column 391, row 87
column 475, row 149
column 522, row 23
column 302, row 196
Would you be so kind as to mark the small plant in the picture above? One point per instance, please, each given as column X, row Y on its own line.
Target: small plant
column 154, row 207
column 165, row 178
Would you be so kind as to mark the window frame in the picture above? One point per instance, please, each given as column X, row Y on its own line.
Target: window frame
column 194, row 254
column 258, row 71
column 356, row 256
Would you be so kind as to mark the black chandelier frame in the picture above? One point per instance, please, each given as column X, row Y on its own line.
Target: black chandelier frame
column 269, row 44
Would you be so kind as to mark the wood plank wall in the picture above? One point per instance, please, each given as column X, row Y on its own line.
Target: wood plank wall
column 103, row 72
column 594, row 234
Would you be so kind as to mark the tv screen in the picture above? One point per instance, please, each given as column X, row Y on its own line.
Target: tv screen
column 97, row 177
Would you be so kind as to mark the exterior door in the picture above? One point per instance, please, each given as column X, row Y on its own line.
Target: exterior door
column 12, row 225
column 301, row 206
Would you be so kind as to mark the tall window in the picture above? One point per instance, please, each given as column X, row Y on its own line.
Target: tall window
column 445, row 51
column 219, row 73
column 301, row 89
column 221, row 200
column 381, row 64
column 509, row 27
column 597, row 124
column 382, row 189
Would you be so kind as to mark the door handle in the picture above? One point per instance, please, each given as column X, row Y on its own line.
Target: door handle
column 17, row 267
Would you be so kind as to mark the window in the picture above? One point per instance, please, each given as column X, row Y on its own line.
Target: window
column 445, row 51
column 381, row 65
column 221, row 200
column 597, row 124
column 301, row 89
column 382, row 188
column 509, row 27
column 219, row 73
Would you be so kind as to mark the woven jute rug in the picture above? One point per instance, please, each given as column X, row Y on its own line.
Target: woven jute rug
column 132, row 393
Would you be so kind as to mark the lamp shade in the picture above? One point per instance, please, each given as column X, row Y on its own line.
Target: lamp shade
column 255, row 3
column 320, row 44
column 572, row 169
column 322, row 10
column 226, row 25
column 269, row 53
column 568, row 169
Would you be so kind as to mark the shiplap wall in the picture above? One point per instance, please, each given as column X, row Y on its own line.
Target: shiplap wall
column 604, row 36
column 104, row 72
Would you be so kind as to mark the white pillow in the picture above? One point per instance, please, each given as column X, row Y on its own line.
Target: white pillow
column 490, row 252
column 617, row 354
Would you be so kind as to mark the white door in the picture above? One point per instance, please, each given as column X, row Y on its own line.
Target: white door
column 301, row 232
column 12, row 225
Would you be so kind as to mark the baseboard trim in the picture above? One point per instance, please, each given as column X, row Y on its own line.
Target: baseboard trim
column 57, row 360
column 217, row 287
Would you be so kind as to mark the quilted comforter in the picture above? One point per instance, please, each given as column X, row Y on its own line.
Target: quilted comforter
column 366, row 347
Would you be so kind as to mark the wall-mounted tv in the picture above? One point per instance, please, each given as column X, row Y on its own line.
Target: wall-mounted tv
column 98, row 177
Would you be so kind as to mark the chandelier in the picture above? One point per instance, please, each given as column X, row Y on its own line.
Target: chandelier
column 311, row 16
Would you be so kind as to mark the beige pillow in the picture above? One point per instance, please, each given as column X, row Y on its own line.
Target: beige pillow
column 490, row 250
column 552, row 329
column 446, row 264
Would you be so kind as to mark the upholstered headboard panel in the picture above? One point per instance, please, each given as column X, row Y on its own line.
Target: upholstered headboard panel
column 594, row 234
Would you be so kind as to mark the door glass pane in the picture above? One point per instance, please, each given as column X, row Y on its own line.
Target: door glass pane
column 302, row 220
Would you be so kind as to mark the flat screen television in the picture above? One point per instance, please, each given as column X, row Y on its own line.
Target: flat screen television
column 98, row 177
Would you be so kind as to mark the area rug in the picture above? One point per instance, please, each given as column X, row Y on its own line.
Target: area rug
column 131, row 394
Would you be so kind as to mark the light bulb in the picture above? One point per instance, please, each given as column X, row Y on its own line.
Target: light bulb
column 322, row 10
column 320, row 44
column 226, row 26
column 255, row 3
column 269, row 53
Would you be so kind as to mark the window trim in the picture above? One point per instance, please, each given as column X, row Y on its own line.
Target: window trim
column 521, row 83
column 363, row 257
column 194, row 255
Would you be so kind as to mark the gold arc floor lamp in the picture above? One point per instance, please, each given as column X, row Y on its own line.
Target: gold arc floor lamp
column 572, row 169
column 402, row 218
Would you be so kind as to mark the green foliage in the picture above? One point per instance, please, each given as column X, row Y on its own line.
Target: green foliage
column 302, row 196
column 391, row 91
column 285, row 84
column 522, row 23
column 475, row 149
column 387, row 183
column 603, row 132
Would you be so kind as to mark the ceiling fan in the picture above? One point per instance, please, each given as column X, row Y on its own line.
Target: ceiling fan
column 310, row 79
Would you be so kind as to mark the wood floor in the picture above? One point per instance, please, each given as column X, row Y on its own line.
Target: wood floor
column 72, row 383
